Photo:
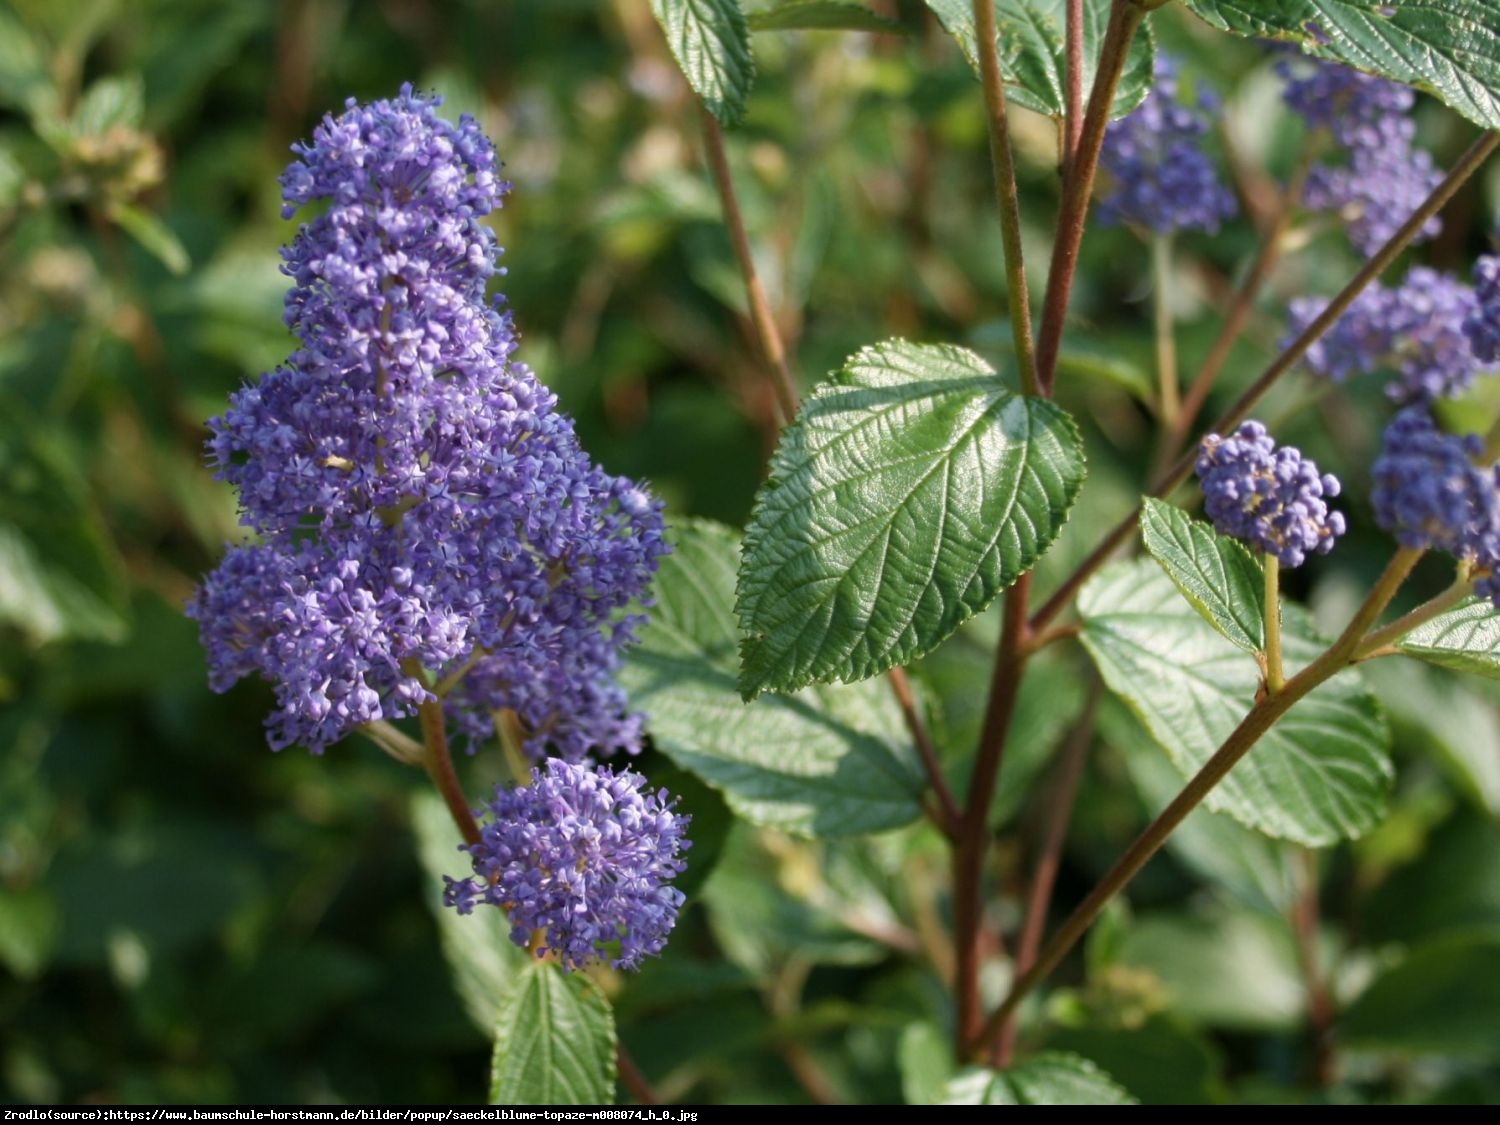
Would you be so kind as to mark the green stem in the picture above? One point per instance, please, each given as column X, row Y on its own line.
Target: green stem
column 1007, row 198
column 406, row 750
column 1275, row 675
column 773, row 351
column 1169, row 400
column 1424, row 613
column 1262, row 715
column 1471, row 161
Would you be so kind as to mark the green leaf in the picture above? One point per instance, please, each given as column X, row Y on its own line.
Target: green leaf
column 1441, row 999
column 1448, row 47
column 1320, row 775
column 831, row 15
column 28, row 929
column 711, row 42
column 25, row 82
column 59, row 575
column 912, row 488
column 484, row 961
column 825, row 762
column 155, row 237
column 554, row 1042
column 1033, row 49
column 1256, row 870
column 1217, row 575
column 1161, row 1061
column 925, row 1058
column 1053, row 1078
column 1233, row 969
column 115, row 101
column 1466, row 639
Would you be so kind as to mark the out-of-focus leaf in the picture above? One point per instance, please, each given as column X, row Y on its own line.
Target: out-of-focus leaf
column 925, row 1056
column 59, row 576
column 1232, row 969
column 28, row 927
column 25, row 83
column 114, row 101
column 1441, row 999
column 1160, row 1061
column 155, row 237
column 1050, row 1079
column 813, row 15
column 554, row 1041
column 1454, row 884
column 912, row 488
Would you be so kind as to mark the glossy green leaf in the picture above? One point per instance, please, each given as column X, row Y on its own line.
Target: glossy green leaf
column 1049, row 1079
column 1217, row 575
column 1448, row 47
column 711, row 42
column 1466, row 639
column 1033, row 49
column 554, row 1041
column 829, row 761
column 820, row 15
column 913, row 487
column 1320, row 775
column 484, row 962
column 1442, row 998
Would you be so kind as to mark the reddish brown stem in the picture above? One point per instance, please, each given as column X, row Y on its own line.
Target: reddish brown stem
column 439, row 763
column 1078, row 187
column 948, row 811
column 766, row 332
column 1058, row 815
column 633, row 1080
column 1073, row 84
column 974, row 836
column 1471, row 161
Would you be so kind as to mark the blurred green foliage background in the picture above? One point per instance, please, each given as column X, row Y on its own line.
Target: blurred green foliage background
column 186, row 917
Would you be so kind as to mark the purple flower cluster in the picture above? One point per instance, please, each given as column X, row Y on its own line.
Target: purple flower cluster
column 1385, row 178
column 583, row 857
column 1482, row 325
column 1433, row 489
column 1273, row 499
column 1159, row 176
column 1422, row 329
column 423, row 508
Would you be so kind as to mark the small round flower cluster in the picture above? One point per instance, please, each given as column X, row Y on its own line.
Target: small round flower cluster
column 1273, row 499
column 1385, row 178
column 424, row 510
column 1421, row 329
column 1482, row 326
column 1160, row 178
column 583, row 857
column 1432, row 489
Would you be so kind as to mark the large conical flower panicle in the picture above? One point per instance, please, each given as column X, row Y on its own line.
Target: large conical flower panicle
column 422, row 505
